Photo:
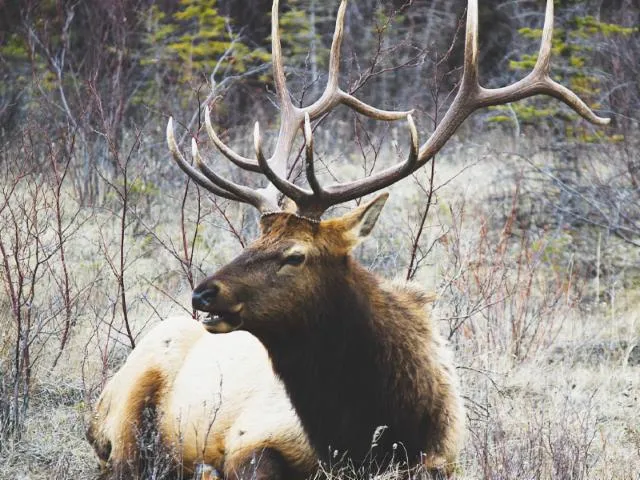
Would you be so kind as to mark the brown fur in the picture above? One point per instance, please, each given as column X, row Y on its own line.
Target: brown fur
column 355, row 352
column 205, row 400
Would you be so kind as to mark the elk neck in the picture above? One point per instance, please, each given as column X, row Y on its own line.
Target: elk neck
column 364, row 357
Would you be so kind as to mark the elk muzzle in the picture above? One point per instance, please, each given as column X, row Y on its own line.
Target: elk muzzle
column 224, row 312
column 205, row 295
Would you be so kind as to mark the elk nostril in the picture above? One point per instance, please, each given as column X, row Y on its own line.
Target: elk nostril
column 210, row 295
column 201, row 299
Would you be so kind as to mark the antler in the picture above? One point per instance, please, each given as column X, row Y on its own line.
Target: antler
column 292, row 118
column 470, row 97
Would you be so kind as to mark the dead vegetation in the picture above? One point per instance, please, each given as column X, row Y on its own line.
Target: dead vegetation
column 530, row 244
column 548, row 356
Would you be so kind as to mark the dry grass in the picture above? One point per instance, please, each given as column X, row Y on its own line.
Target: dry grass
column 550, row 370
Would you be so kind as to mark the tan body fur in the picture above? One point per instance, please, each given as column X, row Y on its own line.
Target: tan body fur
column 216, row 398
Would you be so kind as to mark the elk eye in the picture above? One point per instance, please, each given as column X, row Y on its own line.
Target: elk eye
column 294, row 259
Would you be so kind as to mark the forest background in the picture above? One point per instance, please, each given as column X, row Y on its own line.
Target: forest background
column 527, row 227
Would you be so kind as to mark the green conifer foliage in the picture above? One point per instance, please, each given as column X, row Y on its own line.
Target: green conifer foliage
column 194, row 43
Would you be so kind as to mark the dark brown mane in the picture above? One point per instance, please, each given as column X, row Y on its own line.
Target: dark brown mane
column 367, row 358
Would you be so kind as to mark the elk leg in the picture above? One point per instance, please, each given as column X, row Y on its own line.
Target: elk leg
column 262, row 464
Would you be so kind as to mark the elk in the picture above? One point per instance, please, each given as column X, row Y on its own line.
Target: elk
column 358, row 354
column 213, row 403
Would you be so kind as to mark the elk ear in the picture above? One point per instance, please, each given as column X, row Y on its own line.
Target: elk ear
column 358, row 223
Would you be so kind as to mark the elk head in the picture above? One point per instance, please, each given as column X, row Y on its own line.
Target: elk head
column 291, row 264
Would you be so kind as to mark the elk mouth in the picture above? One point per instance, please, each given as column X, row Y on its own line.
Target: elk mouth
column 222, row 322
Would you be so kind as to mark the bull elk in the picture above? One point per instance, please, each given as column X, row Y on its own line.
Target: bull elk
column 213, row 403
column 358, row 355
column 355, row 352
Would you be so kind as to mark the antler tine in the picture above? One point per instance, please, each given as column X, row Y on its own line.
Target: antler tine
column 192, row 172
column 243, row 193
column 333, row 95
column 291, row 190
column 239, row 160
column 276, row 57
column 470, row 68
column 470, row 97
column 410, row 165
column 336, row 45
column 338, row 193
column 543, row 63
column 310, row 170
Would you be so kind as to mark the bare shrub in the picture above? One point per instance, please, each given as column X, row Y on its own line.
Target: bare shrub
column 499, row 290
column 42, row 299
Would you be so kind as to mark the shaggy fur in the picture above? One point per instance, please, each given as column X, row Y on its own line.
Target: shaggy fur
column 203, row 399
column 355, row 352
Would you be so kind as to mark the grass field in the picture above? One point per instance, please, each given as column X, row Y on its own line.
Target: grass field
column 544, row 318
